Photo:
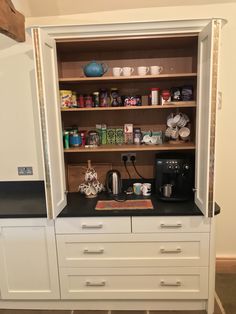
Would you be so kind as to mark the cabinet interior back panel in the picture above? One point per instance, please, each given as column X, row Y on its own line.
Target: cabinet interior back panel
column 176, row 55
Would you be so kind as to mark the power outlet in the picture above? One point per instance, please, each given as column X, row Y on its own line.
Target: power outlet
column 25, row 171
column 129, row 157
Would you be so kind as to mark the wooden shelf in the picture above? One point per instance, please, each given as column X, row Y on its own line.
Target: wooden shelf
column 127, row 148
column 172, row 105
column 125, row 78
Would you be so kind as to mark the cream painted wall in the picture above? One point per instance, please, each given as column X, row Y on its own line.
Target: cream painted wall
column 19, row 130
column 226, row 143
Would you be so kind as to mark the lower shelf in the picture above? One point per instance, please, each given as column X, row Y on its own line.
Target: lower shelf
column 126, row 148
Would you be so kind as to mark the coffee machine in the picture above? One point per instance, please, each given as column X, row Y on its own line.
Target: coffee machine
column 174, row 176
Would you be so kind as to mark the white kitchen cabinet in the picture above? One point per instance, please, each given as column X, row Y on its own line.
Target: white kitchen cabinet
column 28, row 261
column 78, row 248
column 190, row 52
column 154, row 265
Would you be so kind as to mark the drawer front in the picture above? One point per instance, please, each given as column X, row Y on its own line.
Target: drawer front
column 137, row 283
column 131, row 250
column 93, row 225
column 170, row 224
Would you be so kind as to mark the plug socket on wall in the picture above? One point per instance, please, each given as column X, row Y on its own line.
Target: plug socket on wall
column 25, row 171
column 128, row 157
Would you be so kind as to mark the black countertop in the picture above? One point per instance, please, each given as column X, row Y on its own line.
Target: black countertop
column 27, row 200
column 79, row 206
column 23, row 199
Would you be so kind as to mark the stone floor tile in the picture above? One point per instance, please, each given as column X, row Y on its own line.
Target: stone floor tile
column 128, row 312
column 34, row 312
column 89, row 312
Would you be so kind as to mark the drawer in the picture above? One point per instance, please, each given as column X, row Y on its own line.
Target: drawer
column 170, row 224
column 133, row 250
column 134, row 283
column 93, row 225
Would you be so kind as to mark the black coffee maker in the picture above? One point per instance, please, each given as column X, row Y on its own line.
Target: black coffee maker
column 174, row 176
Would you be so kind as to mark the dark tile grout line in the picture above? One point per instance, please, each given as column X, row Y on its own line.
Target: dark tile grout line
column 217, row 299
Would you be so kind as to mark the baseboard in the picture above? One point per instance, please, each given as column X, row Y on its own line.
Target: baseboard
column 226, row 265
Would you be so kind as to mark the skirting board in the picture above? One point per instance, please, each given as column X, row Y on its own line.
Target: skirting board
column 226, row 265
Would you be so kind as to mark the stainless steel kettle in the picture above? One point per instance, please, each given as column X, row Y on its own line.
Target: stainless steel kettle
column 113, row 182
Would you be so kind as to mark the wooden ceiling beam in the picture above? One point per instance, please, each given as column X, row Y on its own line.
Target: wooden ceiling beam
column 12, row 22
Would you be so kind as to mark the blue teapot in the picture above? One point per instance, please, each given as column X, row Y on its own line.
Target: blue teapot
column 94, row 69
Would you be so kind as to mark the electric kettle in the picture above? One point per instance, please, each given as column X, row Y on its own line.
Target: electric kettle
column 113, row 182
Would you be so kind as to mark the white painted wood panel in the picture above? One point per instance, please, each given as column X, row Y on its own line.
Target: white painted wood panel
column 175, row 224
column 93, row 225
column 28, row 261
column 134, row 283
column 204, row 129
column 133, row 250
column 51, row 128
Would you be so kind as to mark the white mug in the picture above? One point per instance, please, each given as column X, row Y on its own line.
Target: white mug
column 143, row 70
column 146, row 189
column 117, row 71
column 156, row 69
column 137, row 188
column 184, row 133
column 127, row 71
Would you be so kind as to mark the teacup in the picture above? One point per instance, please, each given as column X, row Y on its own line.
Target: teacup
column 146, row 189
column 170, row 121
column 143, row 70
column 168, row 132
column 137, row 188
column 127, row 71
column 174, row 133
column 117, row 71
column 156, row 69
column 184, row 133
column 181, row 120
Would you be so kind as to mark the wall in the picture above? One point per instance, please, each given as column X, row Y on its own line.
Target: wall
column 19, row 129
column 225, row 173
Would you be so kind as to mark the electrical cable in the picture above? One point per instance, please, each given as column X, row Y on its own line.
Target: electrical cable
column 126, row 168
column 137, row 170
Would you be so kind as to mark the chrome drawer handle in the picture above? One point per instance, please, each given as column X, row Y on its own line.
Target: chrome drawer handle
column 177, row 250
column 163, row 225
column 170, row 284
column 98, row 226
column 95, row 284
column 99, row 251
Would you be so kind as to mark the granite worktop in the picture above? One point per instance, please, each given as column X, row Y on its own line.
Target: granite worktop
column 27, row 200
column 22, row 199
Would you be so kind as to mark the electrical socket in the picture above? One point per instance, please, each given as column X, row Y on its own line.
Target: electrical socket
column 128, row 156
column 25, row 171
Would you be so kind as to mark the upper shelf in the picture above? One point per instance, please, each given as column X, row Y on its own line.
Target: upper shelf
column 125, row 78
column 171, row 105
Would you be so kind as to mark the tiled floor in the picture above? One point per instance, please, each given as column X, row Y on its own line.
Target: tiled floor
column 225, row 288
column 103, row 312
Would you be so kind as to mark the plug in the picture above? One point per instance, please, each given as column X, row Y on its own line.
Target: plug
column 124, row 158
column 132, row 158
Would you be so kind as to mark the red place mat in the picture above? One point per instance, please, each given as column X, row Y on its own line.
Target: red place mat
column 126, row 205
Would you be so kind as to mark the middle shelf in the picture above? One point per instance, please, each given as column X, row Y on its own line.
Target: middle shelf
column 128, row 148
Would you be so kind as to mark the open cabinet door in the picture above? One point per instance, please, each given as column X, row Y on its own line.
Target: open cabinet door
column 208, row 51
column 51, row 130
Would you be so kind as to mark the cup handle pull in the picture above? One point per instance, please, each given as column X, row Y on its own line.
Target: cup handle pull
column 132, row 70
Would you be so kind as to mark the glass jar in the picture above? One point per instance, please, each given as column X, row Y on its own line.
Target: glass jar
column 93, row 138
column 115, row 98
